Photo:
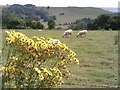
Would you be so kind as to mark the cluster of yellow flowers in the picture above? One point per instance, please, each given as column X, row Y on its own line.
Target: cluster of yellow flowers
column 51, row 77
column 36, row 60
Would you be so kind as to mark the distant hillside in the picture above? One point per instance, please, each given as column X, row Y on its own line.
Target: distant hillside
column 112, row 9
column 61, row 15
column 71, row 14
column 26, row 11
column 31, row 16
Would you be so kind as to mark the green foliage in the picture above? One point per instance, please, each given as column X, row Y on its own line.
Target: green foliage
column 105, row 22
column 115, row 22
column 12, row 21
column 27, row 10
column 22, row 16
column 102, row 21
column 78, row 26
column 36, row 25
column 51, row 24
column 83, row 20
column 81, row 26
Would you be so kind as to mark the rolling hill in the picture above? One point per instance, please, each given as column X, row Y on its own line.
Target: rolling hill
column 71, row 14
column 63, row 16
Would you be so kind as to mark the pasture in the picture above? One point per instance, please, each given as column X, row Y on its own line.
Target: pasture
column 96, row 52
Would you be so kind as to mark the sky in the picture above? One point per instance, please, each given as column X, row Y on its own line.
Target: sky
column 64, row 3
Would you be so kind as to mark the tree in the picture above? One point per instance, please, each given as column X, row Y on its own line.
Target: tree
column 36, row 25
column 51, row 24
column 115, row 22
column 78, row 26
column 90, row 26
column 12, row 21
column 40, row 25
column 81, row 26
column 102, row 21
column 105, row 22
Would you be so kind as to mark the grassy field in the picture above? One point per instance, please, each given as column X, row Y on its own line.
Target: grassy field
column 97, row 54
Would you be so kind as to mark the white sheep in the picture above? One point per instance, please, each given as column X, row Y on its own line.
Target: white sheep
column 67, row 32
column 55, row 41
column 40, row 30
column 83, row 32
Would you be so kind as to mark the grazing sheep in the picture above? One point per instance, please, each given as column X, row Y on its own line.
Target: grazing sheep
column 83, row 32
column 55, row 41
column 40, row 30
column 67, row 32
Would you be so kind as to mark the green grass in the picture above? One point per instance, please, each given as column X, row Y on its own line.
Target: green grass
column 97, row 54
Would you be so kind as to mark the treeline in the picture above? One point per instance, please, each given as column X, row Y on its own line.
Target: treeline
column 103, row 21
column 80, row 24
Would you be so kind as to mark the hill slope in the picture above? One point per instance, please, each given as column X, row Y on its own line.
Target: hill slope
column 63, row 16
column 71, row 14
column 26, row 11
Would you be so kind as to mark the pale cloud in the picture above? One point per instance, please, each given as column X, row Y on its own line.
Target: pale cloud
column 64, row 3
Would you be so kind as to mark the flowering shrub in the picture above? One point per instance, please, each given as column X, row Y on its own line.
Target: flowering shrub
column 35, row 62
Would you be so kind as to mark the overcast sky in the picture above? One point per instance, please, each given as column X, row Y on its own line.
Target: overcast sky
column 64, row 3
